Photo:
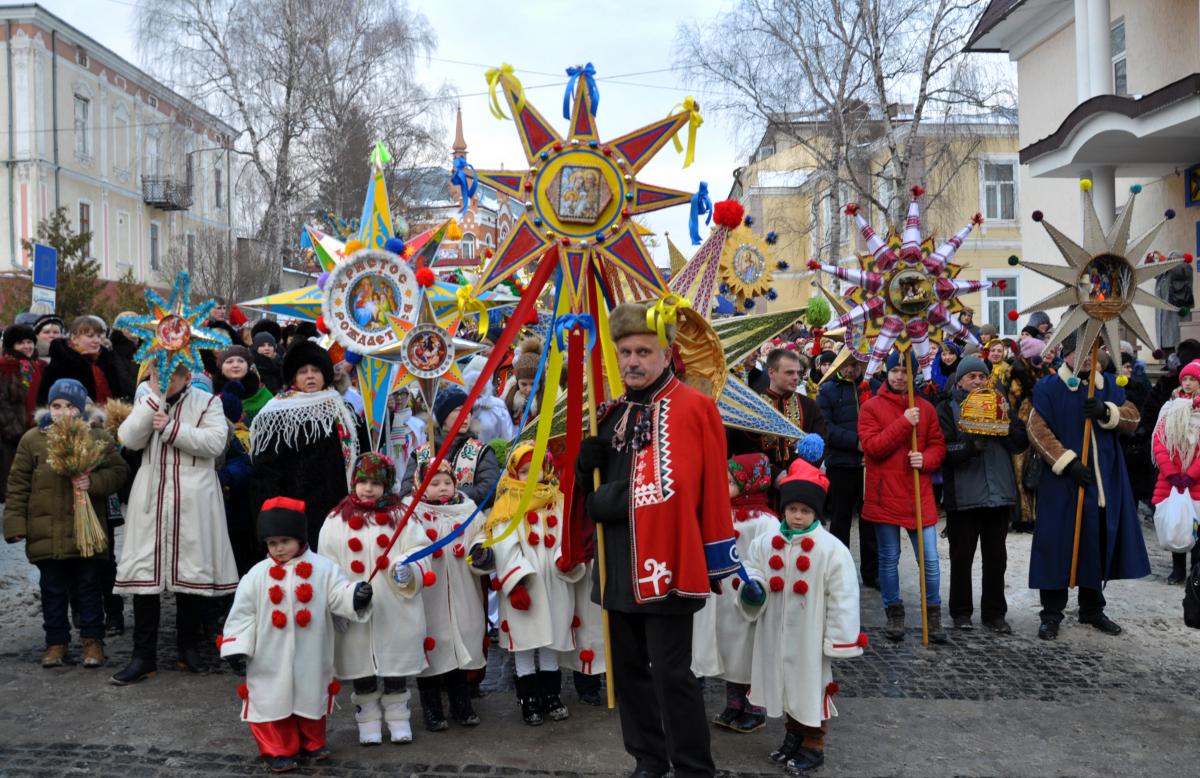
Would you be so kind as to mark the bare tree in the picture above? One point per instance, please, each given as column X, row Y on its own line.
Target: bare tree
column 285, row 73
column 206, row 256
column 850, row 82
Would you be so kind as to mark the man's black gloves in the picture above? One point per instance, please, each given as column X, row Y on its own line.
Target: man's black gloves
column 1081, row 474
column 1096, row 409
column 593, row 454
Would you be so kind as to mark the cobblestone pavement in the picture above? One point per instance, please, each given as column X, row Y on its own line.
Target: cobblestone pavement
column 982, row 705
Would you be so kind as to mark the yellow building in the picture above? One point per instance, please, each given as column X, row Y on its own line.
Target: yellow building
column 969, row 165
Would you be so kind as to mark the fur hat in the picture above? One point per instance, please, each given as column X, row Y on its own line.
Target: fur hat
column 283, row 517
column 1188, row 351
column 306, row 352
column 70, row 390
column 269, row 326
column 47, row 320
column 375, row 467
column 971, row 364
column 14, row 335
column 448, row 400
column 526, row 364
column 803, row 483
column 630, row 319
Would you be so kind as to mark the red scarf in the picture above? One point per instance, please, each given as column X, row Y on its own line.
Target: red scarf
column 749, row 504
column 351, row 506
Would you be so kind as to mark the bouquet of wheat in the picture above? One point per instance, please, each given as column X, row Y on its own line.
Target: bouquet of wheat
column 73, row 452
column 115, row 413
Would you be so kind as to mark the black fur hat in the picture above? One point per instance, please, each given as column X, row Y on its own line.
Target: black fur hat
column 306, row 352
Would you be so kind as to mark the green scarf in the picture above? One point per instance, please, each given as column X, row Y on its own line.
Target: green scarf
column 789, row 533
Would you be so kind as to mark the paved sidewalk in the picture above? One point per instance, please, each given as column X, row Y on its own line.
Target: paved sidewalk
column 983, row 705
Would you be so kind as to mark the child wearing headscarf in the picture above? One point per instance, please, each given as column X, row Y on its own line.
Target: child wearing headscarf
column 722, row 638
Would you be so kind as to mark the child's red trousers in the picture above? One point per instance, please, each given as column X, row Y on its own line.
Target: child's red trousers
column 286, row 737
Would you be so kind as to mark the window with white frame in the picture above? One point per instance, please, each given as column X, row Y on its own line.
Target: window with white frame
column 466, row 248
column 85, row 224
column 998, row 180
column 154, row 230
column 998, row 302
column 1117, row 44
column 83, row 146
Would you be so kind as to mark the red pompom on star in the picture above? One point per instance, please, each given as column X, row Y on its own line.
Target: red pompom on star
column 851, row 209
column 728, row 214
column 425, row 277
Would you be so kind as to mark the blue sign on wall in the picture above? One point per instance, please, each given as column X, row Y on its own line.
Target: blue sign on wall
column 45, row 266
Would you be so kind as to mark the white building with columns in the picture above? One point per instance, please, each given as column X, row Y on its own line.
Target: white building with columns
column 139, row 166
column 1108, row 90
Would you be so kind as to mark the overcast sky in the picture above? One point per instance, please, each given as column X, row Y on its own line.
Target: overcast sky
column 540, row 38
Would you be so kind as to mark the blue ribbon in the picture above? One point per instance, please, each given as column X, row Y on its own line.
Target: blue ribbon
column 564, row 324
column 454, row 535
column 701, row 204
column 459, row 178
column 588, row 71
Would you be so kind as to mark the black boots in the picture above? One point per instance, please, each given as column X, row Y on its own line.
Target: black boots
column 550, row 683
column 894, row 630
column 460, row 699
column 136, row 670
column 530, row 699
column 788, row 749
column 431, row 704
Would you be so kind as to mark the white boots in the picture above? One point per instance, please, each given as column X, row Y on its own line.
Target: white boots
column 369, row 716
column 396, row 714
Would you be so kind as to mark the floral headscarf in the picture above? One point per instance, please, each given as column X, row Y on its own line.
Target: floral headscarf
column 752, row 474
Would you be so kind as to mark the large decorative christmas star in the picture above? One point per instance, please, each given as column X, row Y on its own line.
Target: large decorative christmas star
column 173, row 333
column 581, row 194
column 428, row 351
column 906, row 293
column 1100, row 281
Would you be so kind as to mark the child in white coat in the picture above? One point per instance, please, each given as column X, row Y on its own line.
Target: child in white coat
column 537, row 608
column 803, row 597
column 722, row 638
column 389, row 645
column 455, row 622
column 281, row 623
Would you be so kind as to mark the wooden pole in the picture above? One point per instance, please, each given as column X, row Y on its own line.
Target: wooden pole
column 912, row 403
column 1083, row 460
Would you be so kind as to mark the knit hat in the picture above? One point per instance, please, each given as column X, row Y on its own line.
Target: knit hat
column 1031, row 346
column 235, row 351
column 70, row 390
column 448, row 400
column 375, row 467
column 971, row 364
column 283, row 517
column 630, row 319
column 1038, row 318
column 14, row 335
column 306, row 352
column 826, row 358
column 526, row 364
column 893, row 360
column 1191, row 369
column 803, row 483
column 264, row 337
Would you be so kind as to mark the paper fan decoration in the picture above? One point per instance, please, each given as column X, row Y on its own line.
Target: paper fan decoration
column 746, row 263
column 1100, row 281
column 173, row 333
column 906, row 291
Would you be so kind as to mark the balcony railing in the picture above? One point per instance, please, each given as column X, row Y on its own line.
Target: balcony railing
column 166, row 193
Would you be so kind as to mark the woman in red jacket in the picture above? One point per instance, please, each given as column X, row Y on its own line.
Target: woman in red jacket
column 885, row 426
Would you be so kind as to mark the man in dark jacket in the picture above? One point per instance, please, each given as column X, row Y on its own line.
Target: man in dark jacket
column 82, row 356
column 980, row 495
column 839, row 401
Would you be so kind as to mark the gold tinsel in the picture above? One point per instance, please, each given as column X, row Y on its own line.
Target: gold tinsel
column 72, row 452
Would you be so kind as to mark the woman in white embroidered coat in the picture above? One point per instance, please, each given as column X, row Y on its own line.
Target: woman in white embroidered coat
column 537, row 598
column 803, row 596
column 176, row 538
column 453, row 600
column 282, row 624
column 389, row 645
column 722, row 638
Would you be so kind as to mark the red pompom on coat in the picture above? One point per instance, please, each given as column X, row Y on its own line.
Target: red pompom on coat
column 800, row 587
column 277, row 572
column 382, row 541
column 429, row 579
column 382, row 562
column 776, row 583
column 303, row 617
column 304, row 592
column 275, row 593
column 358, row 567
column 430, row 644
column 304, row 569
column 279, row 619
column 243, row 691
column 355, row 544
column 776, row 562
column 355, row 522
column 778, row 542
column 803, row 563
column 807, row 544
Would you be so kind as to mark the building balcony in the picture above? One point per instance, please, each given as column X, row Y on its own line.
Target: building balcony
column 166, row 193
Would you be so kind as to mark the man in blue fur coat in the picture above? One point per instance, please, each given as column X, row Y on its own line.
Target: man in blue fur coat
column 1110, row 543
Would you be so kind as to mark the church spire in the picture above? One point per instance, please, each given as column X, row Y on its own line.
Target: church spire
column 459, row 149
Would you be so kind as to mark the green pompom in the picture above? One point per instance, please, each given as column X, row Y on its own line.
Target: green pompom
column 819, row 312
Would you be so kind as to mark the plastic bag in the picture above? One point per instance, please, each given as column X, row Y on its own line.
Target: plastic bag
column 1175, row 520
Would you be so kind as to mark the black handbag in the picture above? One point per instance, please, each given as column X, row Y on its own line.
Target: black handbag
column 1031, row 476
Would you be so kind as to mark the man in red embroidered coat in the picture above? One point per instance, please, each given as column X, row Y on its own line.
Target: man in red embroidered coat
column 664, row 505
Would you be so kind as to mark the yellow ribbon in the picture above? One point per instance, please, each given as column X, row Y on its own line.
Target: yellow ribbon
column 468, row 303
column 493, row 77
column 664, row 313
column 690, row 105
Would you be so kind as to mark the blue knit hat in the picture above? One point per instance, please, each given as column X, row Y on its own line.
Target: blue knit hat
column 448, row 400
column 893, row 360
column 70, row 390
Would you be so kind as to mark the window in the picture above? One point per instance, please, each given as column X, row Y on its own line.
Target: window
column 999, row 179
column 81, row 58
column 218, row 192
column 82, row 146
column 764, row 152
column 998, row 302
column 190, row 241
column 152, row 158
column 85, row 224
column 467, row 246
column 1117, row 44
column 154, row 246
